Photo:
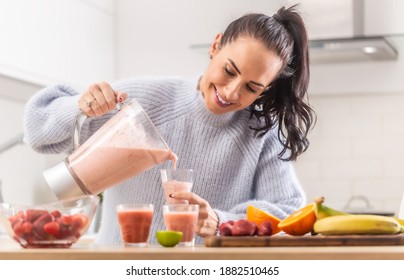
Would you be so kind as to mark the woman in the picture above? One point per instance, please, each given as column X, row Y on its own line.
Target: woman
column 238, row 125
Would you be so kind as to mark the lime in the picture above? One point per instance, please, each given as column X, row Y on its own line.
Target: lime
column 168, row 238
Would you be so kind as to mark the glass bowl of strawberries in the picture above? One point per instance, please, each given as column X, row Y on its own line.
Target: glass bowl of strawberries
column 53, row 225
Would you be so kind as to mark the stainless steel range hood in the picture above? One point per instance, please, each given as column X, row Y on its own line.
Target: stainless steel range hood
column 351, row 50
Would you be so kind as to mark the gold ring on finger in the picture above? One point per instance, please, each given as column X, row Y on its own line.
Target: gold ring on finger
column 89, row 103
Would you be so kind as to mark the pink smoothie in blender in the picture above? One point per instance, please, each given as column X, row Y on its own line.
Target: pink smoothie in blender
column 125, row 146
column 119, row 163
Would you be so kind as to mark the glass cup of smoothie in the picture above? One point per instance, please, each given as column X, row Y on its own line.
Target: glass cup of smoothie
column 176, row 180
column 182, row 217
column 135, row 221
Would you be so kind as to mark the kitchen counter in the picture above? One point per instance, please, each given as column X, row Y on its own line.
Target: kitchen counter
column 86, row 249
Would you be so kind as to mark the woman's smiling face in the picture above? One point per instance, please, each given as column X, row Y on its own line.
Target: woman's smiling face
column 237, row 74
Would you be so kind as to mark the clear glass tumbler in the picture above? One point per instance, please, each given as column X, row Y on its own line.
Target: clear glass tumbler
column 135, row 221
column 182, row 217
column 176, row 180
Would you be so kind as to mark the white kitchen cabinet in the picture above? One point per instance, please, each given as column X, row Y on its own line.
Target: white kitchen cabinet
column 47, row 41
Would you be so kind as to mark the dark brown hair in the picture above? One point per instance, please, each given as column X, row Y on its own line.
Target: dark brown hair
column 285, row 101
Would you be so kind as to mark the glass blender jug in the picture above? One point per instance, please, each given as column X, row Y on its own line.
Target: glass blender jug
column 125, row 146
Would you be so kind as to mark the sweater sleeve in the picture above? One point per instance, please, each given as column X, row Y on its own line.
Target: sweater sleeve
column 276, row 188
column 48, row 119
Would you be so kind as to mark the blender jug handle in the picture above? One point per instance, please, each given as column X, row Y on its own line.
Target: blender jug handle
column 78, row 123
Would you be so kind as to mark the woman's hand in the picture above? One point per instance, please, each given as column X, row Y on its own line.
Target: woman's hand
column 99, row 99
column 207, row 220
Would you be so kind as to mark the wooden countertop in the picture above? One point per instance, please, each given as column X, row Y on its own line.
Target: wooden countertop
column 86, row 249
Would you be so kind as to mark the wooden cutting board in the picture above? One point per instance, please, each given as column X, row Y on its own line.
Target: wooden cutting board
column 306, row 240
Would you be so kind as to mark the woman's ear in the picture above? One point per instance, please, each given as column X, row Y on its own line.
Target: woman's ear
column 215, row 46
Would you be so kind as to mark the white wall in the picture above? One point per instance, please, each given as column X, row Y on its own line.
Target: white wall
column 356, row 150
column 356, row 147
column 20, row 168
column 45, row 42
column 154, row 37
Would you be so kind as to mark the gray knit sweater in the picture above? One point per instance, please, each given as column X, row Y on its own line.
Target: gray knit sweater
column 233, row 168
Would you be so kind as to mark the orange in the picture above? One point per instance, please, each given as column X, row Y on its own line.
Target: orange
column 258, row 216
column 300, row 222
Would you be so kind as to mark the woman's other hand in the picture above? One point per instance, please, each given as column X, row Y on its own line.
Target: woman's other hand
column 99, row 99
column 208, row 222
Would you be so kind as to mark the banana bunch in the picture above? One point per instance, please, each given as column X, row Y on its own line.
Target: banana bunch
column 333, row 222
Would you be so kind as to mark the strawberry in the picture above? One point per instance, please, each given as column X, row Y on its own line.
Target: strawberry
column 33, row 214
column 17, row 228
column 67, row 220
column 244, row 228
column 79, row 221
column 56, row 214
column 27, row 227
column 20, row 216
column 52, row 228
column 225, row 228
column 40, row 222
column 265, row 228
column 13, row 220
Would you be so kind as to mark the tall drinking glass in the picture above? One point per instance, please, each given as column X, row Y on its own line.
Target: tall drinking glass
column 182, row 217
column 135, row 221
column 176, row 180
